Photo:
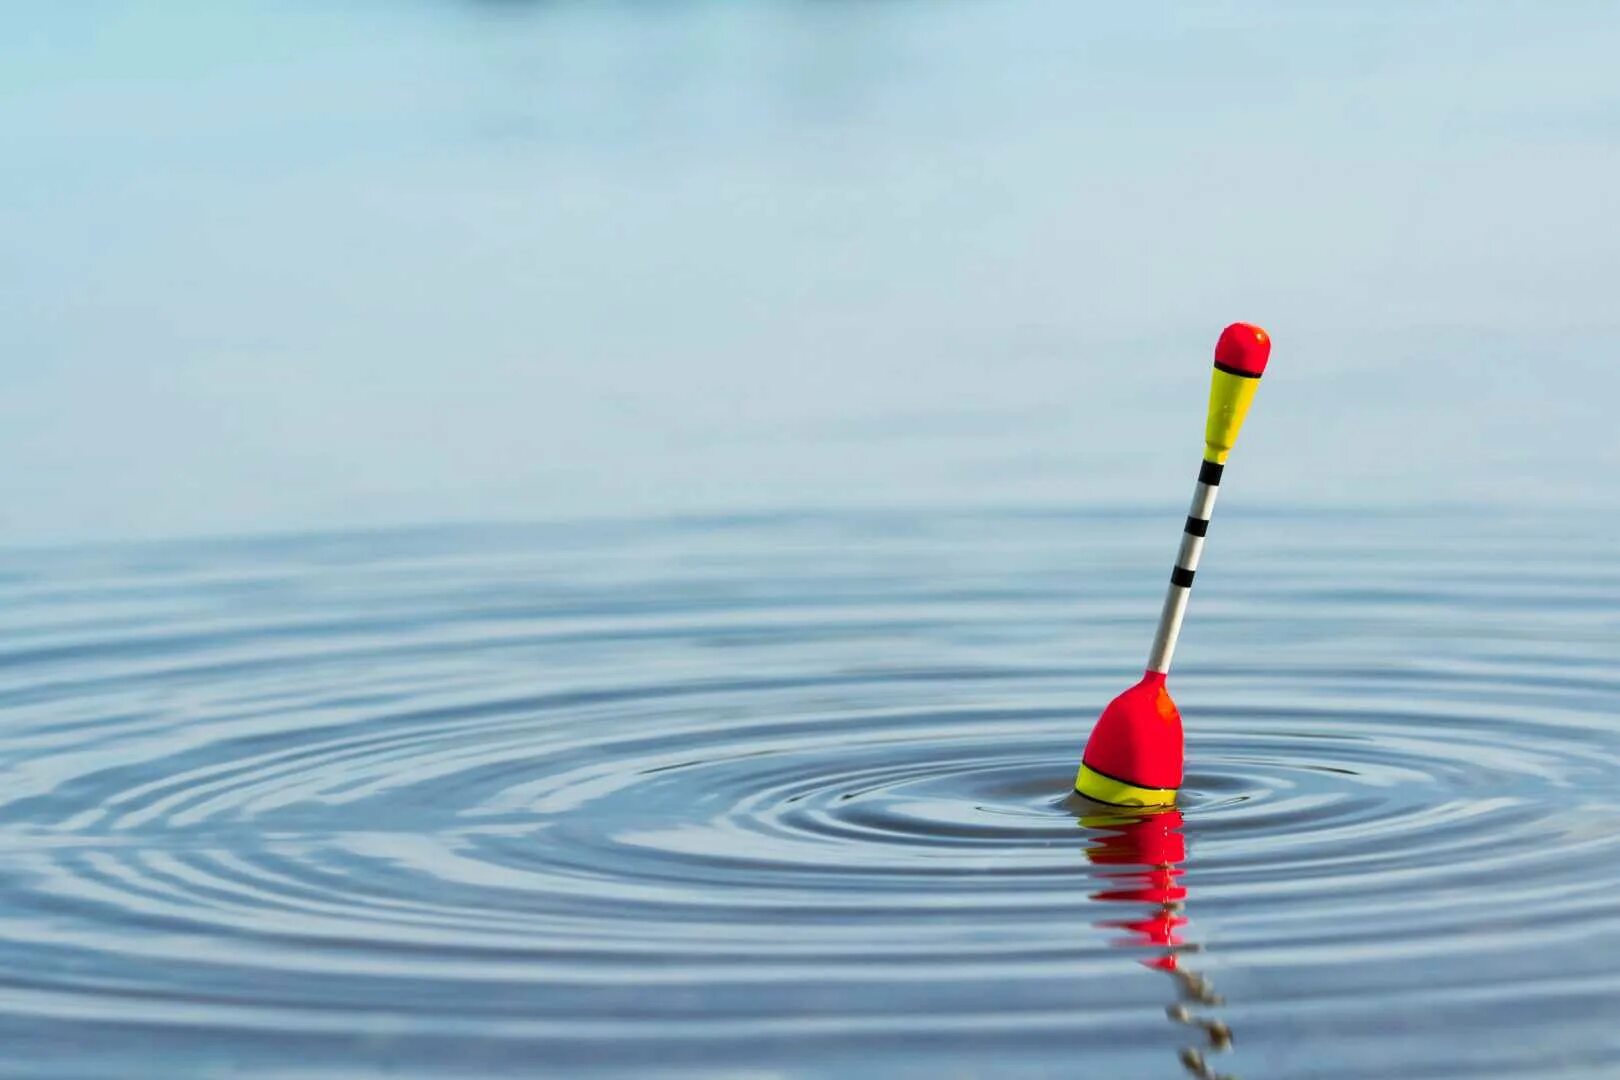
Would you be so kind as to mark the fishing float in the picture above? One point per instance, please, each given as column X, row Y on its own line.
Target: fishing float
column 1134, row 756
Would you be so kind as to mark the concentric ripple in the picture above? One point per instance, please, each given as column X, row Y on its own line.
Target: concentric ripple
column 790, row 796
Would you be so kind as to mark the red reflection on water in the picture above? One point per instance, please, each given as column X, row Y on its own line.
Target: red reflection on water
column 1148, row 851
column 1139, row 856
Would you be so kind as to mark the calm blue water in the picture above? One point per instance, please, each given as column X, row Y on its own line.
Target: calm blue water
column 295, row 265
column 784, row 795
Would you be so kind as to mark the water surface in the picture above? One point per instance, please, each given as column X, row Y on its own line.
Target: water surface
column 286, row 264
column 785, row 795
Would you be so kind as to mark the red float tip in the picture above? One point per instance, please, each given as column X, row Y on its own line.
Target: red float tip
column 1244, row 348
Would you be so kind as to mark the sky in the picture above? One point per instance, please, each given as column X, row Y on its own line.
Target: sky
column 302, row 266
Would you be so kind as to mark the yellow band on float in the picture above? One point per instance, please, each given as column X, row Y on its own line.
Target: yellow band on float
column 1105, row 789
column 1229, row 399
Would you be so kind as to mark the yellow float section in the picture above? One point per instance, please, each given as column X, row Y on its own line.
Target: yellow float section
column 1229, row 399
column 1105, row 789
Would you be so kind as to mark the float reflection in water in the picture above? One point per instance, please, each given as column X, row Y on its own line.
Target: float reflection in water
column 1141, row 855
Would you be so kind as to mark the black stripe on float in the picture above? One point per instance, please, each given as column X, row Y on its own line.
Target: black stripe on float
column 1197, row 526
column 1209, row 472
column 1234, row 371
column 1182, row 576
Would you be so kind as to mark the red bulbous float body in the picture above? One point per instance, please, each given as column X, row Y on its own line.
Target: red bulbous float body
column 1138, row 738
